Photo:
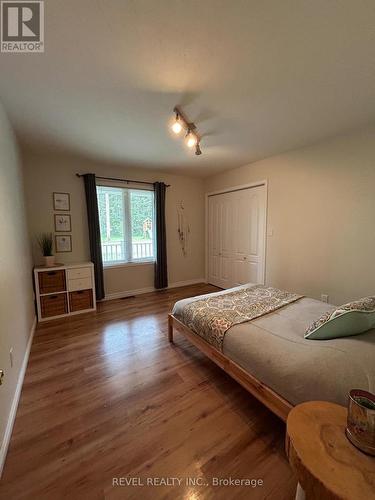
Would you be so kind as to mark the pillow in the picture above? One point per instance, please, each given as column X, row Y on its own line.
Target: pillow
column 349, row 319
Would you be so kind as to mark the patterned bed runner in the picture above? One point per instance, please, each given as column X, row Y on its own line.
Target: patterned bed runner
column 212, row 317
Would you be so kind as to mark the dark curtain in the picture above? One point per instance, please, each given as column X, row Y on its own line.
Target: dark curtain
column 161, row 273
column 94, row 233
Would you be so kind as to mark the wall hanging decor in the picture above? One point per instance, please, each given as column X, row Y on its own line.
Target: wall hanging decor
column 61, row 201
column 183, row 228
column 63, row 223
column 63, row 243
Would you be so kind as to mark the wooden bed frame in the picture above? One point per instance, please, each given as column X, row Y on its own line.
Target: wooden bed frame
column 263, row 393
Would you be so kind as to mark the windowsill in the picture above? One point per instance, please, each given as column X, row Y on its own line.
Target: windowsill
column 128, row 264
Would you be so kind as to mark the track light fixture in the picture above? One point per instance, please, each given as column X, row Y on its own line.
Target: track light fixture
column 177, row 127
column 192, row 138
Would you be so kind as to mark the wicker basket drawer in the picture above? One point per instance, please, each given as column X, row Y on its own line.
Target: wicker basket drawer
column 53, row 305
column 52, row 281
column 80, row 300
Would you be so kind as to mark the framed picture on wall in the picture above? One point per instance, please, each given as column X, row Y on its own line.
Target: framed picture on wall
column 63, row 223
column 63, row 243
column 61, row 201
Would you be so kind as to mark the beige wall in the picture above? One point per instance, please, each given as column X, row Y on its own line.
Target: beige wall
column 321, row 208
column 16, row 296
column 46, row 172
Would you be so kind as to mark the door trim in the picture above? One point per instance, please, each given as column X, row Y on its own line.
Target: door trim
column 230, row 190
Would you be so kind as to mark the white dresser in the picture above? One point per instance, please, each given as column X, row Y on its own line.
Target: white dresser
column 64, row 290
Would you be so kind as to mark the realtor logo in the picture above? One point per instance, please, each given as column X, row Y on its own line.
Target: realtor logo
column 22, row 26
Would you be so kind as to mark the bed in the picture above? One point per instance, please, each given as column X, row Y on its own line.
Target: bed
column 269, row 356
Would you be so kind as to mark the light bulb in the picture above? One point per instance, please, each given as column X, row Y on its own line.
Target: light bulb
column 177, row 127
column 191, row 140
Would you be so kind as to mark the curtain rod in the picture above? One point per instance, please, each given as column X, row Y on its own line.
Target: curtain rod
column 122, row 180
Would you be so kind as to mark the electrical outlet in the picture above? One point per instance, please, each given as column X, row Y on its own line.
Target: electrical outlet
column 11, row 357
column 324, row 297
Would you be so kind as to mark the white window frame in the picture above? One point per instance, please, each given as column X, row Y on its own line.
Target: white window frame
column 127, row 230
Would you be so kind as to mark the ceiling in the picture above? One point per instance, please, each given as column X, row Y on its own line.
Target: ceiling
column 257, row 76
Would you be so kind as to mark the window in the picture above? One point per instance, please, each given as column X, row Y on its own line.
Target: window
column 126, row 219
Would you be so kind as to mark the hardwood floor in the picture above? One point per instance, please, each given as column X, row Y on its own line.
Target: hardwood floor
column 107, row 397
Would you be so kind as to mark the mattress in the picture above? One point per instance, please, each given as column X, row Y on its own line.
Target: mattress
column 272, row 348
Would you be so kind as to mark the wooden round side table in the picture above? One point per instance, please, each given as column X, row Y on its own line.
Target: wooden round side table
column 327, row 465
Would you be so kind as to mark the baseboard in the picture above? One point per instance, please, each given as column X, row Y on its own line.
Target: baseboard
column 177, row 284
column 128, row 293
column 140, row 291
column 16, row 397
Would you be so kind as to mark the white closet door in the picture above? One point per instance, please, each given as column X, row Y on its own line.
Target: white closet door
column 220, row 221
column 236, row 237
column 214, row 236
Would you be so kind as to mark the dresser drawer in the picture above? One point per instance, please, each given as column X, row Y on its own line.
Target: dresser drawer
column 79, row 284
column 79, row 272
column 51, row 281
column 80, row 300
column 53, row 305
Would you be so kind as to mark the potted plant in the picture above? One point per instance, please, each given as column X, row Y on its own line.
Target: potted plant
column 45, row 241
